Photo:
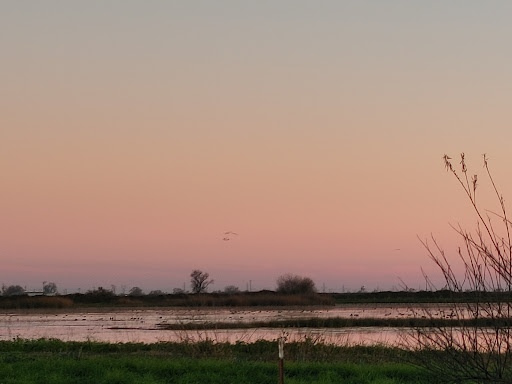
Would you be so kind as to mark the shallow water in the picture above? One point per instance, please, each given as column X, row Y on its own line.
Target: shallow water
column 142, row 325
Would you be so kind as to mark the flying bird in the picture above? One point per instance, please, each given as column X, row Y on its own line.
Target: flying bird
column 227, row 235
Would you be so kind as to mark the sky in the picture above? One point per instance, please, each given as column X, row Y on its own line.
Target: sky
column 134, row 134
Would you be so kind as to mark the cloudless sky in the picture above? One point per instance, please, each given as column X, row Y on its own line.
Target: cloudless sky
column 133, row 134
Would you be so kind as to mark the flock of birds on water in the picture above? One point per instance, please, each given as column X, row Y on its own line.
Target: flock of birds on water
column 196, row 315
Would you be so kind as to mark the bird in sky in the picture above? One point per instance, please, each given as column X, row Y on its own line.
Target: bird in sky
column 227, row 235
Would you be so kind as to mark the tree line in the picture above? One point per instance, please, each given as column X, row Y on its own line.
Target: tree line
column 49, row 288
column 199, row 283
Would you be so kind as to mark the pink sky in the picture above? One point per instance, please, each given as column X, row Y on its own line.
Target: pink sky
column 134, row 134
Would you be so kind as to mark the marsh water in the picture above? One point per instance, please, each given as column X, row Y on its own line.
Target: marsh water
column 146, row 324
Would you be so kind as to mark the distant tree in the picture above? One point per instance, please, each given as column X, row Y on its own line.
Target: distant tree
column 49, row 288
column 178, row 291
column 156, row 292
column 13, row 290
column 294, row 284
column 100, row 292
column 199, row 281
column 231, row 289
column 136, row 291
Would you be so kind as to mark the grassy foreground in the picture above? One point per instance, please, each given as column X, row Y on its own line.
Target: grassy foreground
column 53, row 361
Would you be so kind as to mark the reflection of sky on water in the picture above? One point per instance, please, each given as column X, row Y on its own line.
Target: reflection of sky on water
column 141, row 325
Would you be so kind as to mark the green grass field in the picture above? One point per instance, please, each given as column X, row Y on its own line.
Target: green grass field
column 145, row 369
column 53, row 361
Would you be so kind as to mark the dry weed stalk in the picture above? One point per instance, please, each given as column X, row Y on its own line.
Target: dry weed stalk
column 473, row 353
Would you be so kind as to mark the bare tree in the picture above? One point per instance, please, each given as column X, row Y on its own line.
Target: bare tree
column 136, row 291
column 199, row 281
column 294, row 284
column 476, row 344
column 49, row 288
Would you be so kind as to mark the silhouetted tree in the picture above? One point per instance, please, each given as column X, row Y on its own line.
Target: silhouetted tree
column 100, row 292
column 13, row 290
column 49, row 288
column 231, row 289
column 199, row 281
column 294, row 284
column 136, row 291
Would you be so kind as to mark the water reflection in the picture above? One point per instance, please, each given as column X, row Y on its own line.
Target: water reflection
column 142, row 325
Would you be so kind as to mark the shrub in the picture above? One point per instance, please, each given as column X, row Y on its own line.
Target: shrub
column 294, row 284
column 473, row 350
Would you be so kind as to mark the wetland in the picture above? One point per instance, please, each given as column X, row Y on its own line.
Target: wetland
column 339, row 324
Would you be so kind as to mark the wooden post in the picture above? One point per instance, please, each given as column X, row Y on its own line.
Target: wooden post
column 281, row 360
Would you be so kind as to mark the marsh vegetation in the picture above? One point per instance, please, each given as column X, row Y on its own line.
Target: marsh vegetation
column 24, row 361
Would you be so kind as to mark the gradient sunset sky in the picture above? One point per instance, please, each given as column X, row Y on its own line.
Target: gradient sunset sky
column 133, row 134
